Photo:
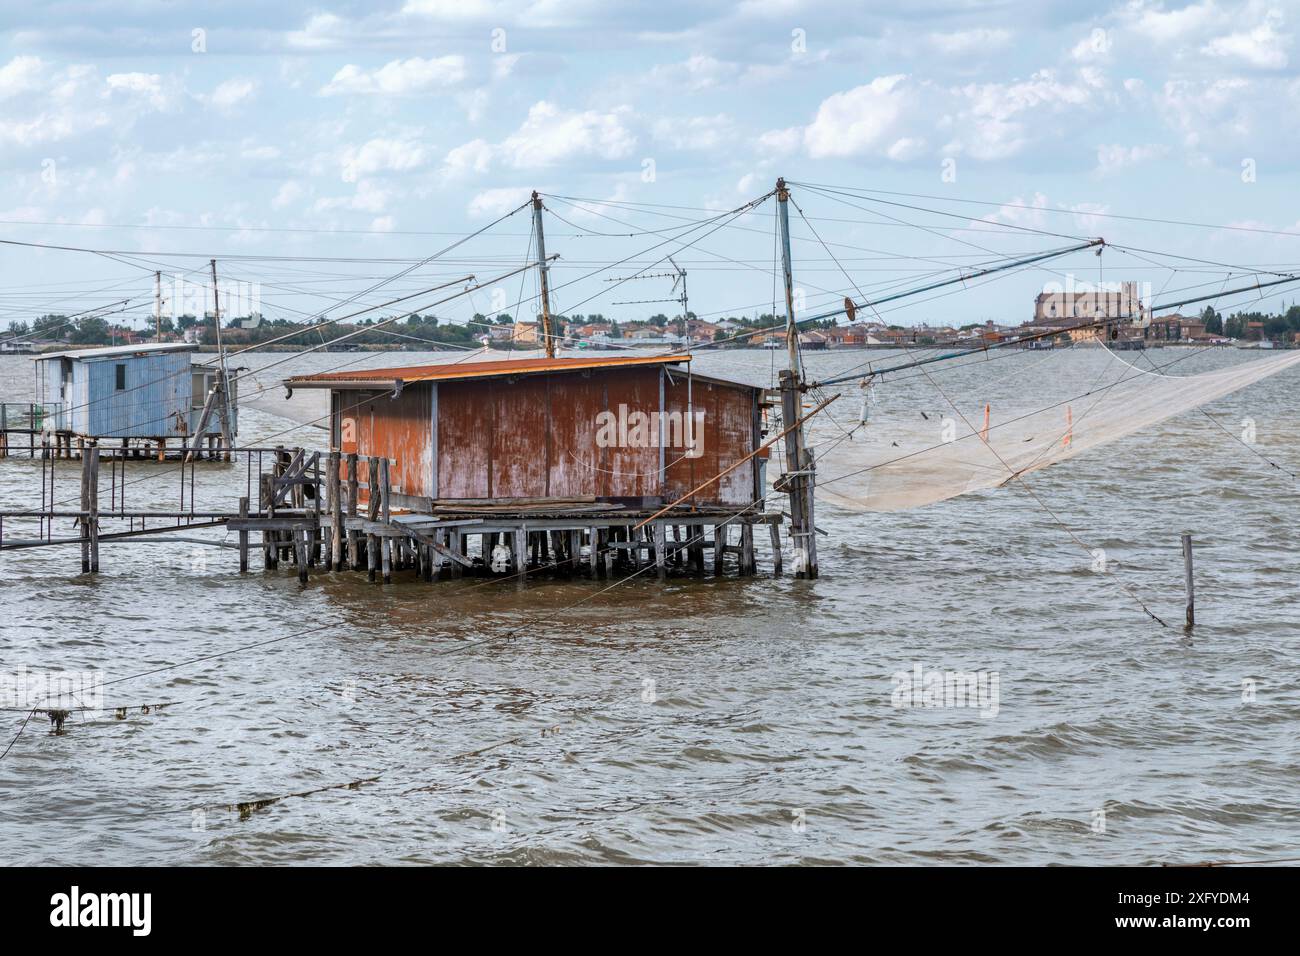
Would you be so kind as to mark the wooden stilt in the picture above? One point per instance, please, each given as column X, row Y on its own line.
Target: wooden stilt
column 521, row 555
column 775, row 531
column 386, row 542
column 720, row 534
column 266, row 504
column 84, row 520
column 243, row 536
column 354, row 537
column 372, row 514
column 661, row 549
column 695, row 547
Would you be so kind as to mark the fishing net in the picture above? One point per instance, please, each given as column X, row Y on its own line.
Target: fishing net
column 914, row 448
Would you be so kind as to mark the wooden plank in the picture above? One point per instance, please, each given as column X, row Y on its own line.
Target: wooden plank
column 430, row 542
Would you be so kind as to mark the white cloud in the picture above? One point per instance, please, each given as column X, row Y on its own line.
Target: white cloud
column 22, row 74
column 1168, row 26
column 383, row 224
column 324, row 31
column 399, row 77
column 962, row 42
column 453, row 9
column 696, row 73
column 382, row 156
column 694, row 132
column 368, row 198
column 491, row 203
column 1207, row 112
column 146, row 87
column 781, row 141
column 1114, row 157
column 472, row 157
column 290, row 191
column 232, row 92
column 551, row 135
column 994, row 120
column 864, row 119
column 1262, row 46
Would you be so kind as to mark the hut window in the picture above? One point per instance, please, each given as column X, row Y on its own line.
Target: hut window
column 121, row 377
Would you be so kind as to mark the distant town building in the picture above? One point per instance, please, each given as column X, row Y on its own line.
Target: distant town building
column 1071, row 306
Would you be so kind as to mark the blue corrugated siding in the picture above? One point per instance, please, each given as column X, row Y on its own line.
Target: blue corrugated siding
column 154, row 404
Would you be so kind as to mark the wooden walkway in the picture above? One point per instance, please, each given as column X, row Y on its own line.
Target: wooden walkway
column 336, row 513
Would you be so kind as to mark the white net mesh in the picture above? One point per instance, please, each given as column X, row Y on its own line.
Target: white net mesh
column 915, row 449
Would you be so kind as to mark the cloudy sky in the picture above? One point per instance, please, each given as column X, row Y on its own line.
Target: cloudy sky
column 379, row 130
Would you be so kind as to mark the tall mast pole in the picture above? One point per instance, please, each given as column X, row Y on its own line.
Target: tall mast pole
column 157, row 306
column 544, row 270
column 223, row 376
column 799, row 473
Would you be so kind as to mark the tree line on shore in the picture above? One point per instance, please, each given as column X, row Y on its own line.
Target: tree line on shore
column 415, row 331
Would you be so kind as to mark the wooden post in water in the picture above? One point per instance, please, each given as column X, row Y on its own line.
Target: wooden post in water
column 94, row 507
column 386, row 542
column 314, row 533
column 747, row 564
column 521, row 555
column 301, row 546
column 354, row 537
column 1187, row 576
column 661, row 549
column 372, row 514
column 243, row 536
column 266, row 503
column 84, row 521
column 335, row 559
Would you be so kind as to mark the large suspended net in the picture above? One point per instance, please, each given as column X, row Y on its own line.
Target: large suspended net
column 916, row 449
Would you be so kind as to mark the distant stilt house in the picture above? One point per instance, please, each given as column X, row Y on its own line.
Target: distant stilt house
column 639, row 431
column 132, row 394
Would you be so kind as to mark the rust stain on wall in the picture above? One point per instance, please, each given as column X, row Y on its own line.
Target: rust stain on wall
column 536, row 436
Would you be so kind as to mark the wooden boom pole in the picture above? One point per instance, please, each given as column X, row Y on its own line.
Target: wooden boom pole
column 547, row 337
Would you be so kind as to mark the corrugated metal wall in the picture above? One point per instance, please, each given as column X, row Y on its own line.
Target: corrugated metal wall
column 400, row 429
column 728, row 434
column 155, row 402
column 537, row 436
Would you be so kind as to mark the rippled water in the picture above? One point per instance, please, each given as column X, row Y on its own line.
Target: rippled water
column 768, row 734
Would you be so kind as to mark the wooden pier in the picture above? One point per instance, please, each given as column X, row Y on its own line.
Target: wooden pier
column 328, row 512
